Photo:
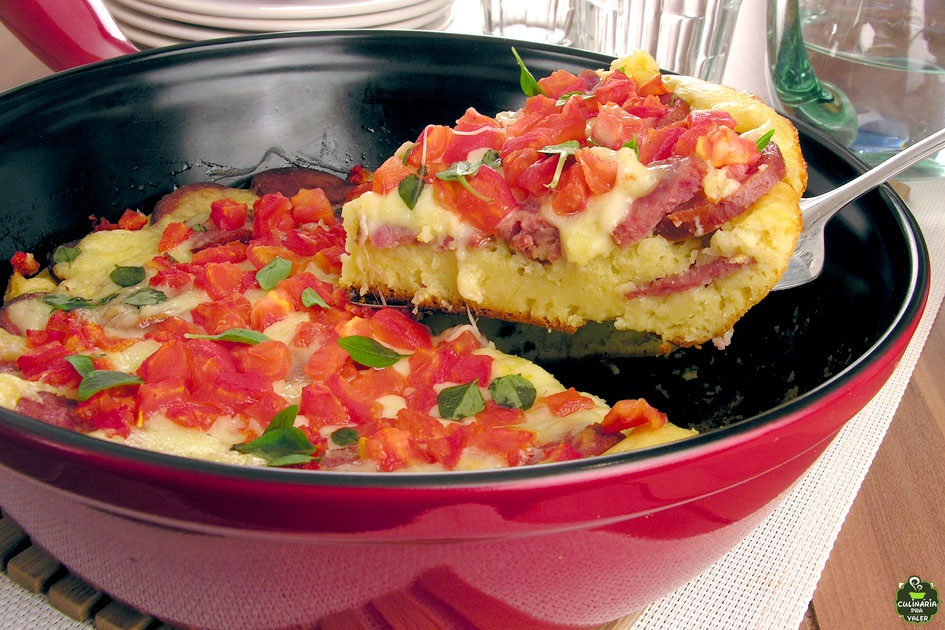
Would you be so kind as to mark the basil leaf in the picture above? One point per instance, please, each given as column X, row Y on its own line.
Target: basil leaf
column 409, row 190
column 310, row 297
column 513, row 391
column 108, row 298
column 369, row 352
column 65, row 254
column 460, row 401
column 458, row 171
column 126, row 276
column 491, row 159
column 275, row 272
column 345, row 436
column 563, row 151
column 280, row 447
column 633, row 144
column 585, row 96
column 146, row 297
column 200, row 227
column 60, row 302
column 282, row 443
column 99, row 380
column 238, row 335
column 763, row 141
column 284, row 419
column 526, row 79
column 82, row 364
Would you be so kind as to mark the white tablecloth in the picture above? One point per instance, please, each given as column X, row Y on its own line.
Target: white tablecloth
column 768, row 580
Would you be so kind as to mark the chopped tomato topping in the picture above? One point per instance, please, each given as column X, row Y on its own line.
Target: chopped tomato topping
column 129, row 220
column 174, row 234
column 272, row 216
column 112, row 410
column 567, row 402
column 219, row 315
column 228, row 214
column 219, row 280
column 484, row 209
column 630, row 414
column 271, row 359
column 24, row 264
column 723, row 146
column 311, row 205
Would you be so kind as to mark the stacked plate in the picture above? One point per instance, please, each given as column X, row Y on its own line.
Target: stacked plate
column 153, row 23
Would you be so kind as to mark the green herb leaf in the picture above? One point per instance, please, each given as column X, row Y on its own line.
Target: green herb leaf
column 563, row 151
column 310, row 297
column 491, row 159
column 369, row 352
column 409, row 190
column 82, row 363
column 200, row 227
column 238, row 335
column 633, row 144
column 60, row 302
column 98, row 380
column 345, row 436
column 458, row 171
column 145, row 297
column 282, row 443
column 526, row 79
column 66, row 254
column 513, row 391
column 283, row 420
column 127, row 276
column 275, row 272
column 460, row 401
column 763, row 141
column 585, row 96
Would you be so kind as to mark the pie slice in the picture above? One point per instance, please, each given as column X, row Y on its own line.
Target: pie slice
column 664, row 204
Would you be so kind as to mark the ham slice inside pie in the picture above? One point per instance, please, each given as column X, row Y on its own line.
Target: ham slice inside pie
column 662, row 203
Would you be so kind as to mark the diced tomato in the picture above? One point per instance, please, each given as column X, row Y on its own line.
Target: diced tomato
column 311, row 205
column 659, row 143
column 648, row 107
column 359, row 394
column 228, row 214
column 633, row 414
column 537, row 178
column 24, row 263
column 233, row 252
column 167, row 362
column 170, row 274
column 536, row 110
column 567, row 402
column 113, row 410
column 265, row 408
column 571, row 194
column 229, row 392
column 471, row 367
column 321, row 406
column 495, row 416
column 391, row 448
column 48, row 364
column 206, row 361
column 395, row 328
column 483, row 211
column 388, row 175
column 700, row 123
column 613, row 128
column 272, row 308
column 723, row 147
column 132, row 220
column 261, row 253
column 615, row 88
column 157, row 395
column 326, row 361
column 167, row 328
column 272, row 216
column 561, row 82
column 219, row 280
column 511, row 444
column 654, row 86
column 428, row 152
column 219, row 315
column 76, row 333
column 600, row 175
column 464, row 342
column 272, row 359
column 474, row 131
column 319, row 330
column 174, row 234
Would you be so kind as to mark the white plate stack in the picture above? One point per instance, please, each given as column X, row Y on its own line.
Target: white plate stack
column 154, row 23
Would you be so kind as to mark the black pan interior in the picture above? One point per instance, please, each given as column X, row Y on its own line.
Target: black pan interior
column 123, row 133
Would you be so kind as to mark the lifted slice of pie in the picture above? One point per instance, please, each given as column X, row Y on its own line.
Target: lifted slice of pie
column 664, row 204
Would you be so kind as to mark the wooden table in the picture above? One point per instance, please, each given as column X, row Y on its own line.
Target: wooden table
column 896, row 527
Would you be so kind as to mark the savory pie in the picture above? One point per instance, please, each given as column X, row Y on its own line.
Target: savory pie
column 214, row 329
column 662, row 203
